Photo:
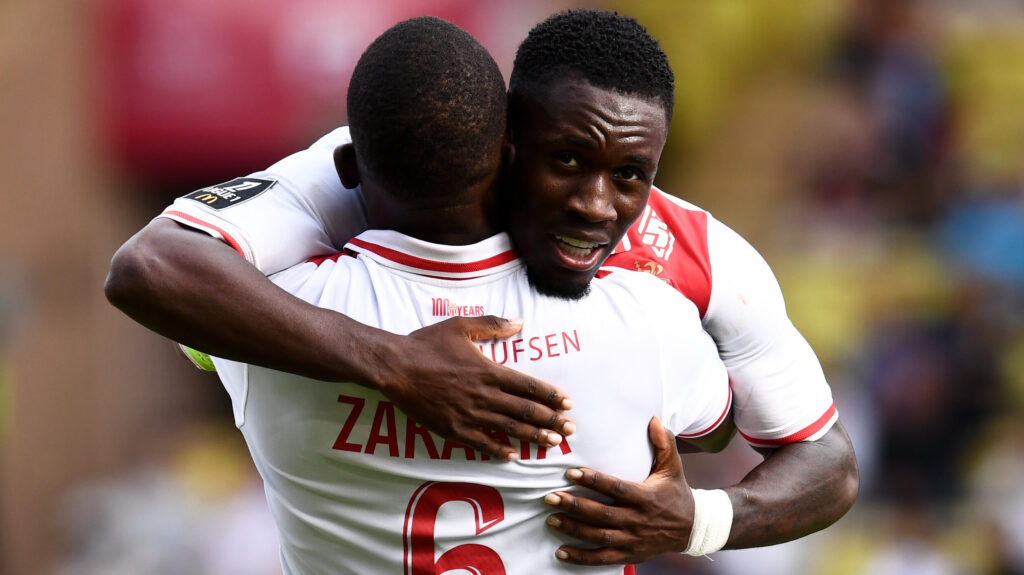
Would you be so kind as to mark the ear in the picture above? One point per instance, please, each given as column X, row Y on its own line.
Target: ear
column 508, row 151
column 345, row 164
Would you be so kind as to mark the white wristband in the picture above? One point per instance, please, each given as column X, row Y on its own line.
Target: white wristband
column 712, row 521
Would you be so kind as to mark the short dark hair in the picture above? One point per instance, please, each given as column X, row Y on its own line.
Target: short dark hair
column 608, row 50
column 424, row 101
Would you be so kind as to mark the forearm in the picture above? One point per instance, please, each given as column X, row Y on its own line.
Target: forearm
column 196, row 290
column 799, row 489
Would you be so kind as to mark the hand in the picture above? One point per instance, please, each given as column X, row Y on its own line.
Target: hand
column 440, row 379
column 645, row 519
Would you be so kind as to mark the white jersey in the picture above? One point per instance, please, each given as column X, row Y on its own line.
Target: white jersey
column 298, row 209
column 355, row 486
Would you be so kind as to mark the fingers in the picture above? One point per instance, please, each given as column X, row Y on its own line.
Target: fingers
column 612, row 543
column 489, row 446
column 601, row 556
column 537, row 430
column 622, row 491
column 666, row 457
column 489, row 327
column 535, row 390
column 509, row 380
column 609, row 542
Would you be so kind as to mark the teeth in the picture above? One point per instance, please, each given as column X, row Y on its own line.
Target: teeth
column 585, row 245
column 577, row 248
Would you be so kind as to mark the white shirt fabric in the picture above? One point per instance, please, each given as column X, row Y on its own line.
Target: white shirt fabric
column 781, row 395
column 356, row 487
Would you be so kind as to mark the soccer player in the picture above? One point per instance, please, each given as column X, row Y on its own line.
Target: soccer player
column 195, row 289
column 355, row 485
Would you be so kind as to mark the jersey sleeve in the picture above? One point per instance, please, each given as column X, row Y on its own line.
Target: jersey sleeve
column 780, row 392
column 284, row 215
column 695, row 384
column 697, row 398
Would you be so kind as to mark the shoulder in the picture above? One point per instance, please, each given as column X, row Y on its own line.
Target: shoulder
column 670, row 241
column 311, row 279
column 333, row 139
column 634, row 292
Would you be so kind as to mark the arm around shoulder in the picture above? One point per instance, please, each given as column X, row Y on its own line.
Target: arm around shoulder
column 196, row 290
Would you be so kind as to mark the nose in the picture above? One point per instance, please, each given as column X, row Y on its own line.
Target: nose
column 594, row 199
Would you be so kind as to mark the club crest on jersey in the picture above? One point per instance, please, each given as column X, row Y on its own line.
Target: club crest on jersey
column 231, row 193
column 655, row 234
column 652, row 268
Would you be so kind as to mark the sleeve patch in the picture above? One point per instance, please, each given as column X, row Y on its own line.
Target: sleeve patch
column 231, row 193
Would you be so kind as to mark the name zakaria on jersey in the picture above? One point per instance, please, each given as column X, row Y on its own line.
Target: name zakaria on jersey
column 357, row 486
column 298, row 209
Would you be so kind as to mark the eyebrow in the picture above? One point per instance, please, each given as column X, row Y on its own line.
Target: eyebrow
column 588, row 143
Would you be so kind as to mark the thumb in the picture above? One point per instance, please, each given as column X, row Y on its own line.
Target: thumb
column 491, row 327
column 666, row 458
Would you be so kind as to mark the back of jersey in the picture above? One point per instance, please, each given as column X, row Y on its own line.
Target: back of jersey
column 355, row 486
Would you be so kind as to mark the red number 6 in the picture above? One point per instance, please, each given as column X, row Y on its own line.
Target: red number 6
column 419, row 529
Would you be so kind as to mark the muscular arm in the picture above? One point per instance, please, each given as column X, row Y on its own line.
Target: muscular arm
column 797, row 490
column 194, row 289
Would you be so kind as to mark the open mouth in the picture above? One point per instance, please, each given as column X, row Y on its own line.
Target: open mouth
column 577, row 253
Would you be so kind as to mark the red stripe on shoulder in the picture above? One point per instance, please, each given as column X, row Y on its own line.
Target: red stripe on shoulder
column 227, row 237
column 671, row 242
column 799, row 435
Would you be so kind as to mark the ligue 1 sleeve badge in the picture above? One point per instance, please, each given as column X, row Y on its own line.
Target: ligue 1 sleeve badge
column 231, row 193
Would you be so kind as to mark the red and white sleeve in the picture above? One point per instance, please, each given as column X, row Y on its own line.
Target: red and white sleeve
column 276, row 218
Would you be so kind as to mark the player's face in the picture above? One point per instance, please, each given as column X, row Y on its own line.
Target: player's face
column 585, row 160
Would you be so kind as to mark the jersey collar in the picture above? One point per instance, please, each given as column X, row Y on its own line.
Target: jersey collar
column 398, row 251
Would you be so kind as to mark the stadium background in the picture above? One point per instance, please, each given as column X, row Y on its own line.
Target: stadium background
column 872, row 150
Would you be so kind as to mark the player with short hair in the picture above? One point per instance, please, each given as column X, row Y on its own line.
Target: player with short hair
column 355, row 485
column 782, row 402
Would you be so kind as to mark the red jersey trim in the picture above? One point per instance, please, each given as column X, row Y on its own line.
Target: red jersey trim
column 435, row 266
column 227, row 237
column 713, row 426
column 669, row 241
column 799, row 435
column 333, row 257
column 318, row 260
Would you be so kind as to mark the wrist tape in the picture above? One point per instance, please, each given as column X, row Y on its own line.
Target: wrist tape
column 712, row 521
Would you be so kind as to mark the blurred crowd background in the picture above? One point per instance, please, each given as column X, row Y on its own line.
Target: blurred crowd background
column 872, row 150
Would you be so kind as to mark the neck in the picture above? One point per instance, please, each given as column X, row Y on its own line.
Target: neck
column 455, row 223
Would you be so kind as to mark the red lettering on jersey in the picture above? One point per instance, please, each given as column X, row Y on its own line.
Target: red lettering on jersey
column 517, row 349
column 449, row 446
column 497, row 436
column 550, row 344
column 542, row 452
column 566, row 342
column 342, row 444
column 414, row 430
column 539, row 347
column 670, row 241
column 385, row 414
column 504, row 353
column 532, row 343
